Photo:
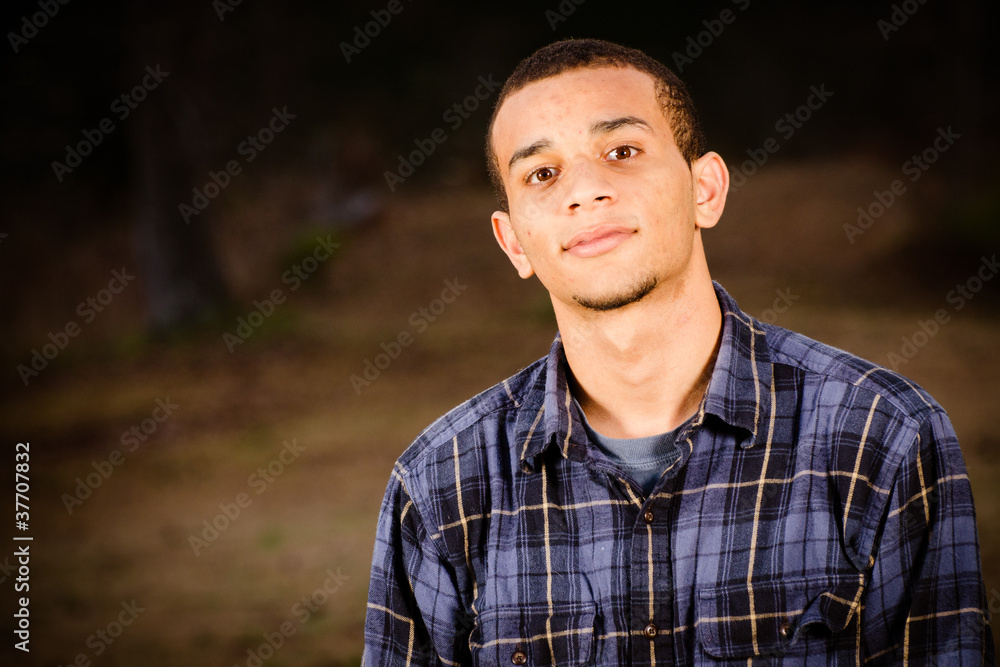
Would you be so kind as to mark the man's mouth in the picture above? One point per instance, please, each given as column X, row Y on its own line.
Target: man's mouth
column 598, row 240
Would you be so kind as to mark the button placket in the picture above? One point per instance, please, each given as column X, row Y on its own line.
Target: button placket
column 649, row 555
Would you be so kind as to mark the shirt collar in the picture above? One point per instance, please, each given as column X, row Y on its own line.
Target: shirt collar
column 739, row 392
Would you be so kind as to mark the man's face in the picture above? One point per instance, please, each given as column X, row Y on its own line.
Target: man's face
column 602, row 203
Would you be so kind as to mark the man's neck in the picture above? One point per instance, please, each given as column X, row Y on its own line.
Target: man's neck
column 643, row 369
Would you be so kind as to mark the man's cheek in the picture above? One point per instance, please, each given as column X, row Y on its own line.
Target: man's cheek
column 528, row 210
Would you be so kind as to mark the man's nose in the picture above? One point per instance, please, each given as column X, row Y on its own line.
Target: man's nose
column 588, row 185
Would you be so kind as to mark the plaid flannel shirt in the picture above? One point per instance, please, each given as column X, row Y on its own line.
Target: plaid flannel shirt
column 820, row 514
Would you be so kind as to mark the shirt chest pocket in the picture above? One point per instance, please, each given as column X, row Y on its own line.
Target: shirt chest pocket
column 531, row 635
column 775, row 618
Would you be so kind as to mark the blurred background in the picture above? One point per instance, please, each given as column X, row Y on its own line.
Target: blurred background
column 226, row 228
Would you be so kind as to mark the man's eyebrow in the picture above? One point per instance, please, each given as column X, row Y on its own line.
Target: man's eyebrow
column 605, row 126
column 528, row 151
column 600, row 127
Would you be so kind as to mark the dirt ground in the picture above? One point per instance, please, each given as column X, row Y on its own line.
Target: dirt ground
column 291, row 569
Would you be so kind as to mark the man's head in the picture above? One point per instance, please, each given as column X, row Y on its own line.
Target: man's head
column 605, row 180
column 571, row 54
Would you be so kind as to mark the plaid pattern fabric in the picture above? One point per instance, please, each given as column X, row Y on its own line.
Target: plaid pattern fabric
column 820, row 514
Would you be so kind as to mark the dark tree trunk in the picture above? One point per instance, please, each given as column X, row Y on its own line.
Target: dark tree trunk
column 170, row 150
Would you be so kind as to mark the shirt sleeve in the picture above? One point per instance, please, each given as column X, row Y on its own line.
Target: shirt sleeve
column 415, row 616
column 926, row 597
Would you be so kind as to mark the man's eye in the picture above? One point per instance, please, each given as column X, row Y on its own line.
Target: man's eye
column 541, row 175
column 623, row 152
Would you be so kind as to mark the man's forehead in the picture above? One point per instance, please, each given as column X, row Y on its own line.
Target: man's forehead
column 570, row 84
column 576, row 90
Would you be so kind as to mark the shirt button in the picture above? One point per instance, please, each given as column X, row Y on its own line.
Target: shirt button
column 519, row 658
column 648, row 516
column 786, row 630
column 650, row 630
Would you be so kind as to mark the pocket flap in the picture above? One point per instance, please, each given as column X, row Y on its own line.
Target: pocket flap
column 565, row 637
column 767, row 617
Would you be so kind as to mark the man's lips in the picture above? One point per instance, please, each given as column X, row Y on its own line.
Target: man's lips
column 598, row 240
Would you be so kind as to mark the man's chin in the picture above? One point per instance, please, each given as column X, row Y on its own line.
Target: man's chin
column 616, row 300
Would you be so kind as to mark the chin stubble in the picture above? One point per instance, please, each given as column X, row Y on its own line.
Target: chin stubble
column 620, row 300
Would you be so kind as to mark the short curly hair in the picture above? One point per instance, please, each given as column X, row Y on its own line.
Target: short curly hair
column 570, row 54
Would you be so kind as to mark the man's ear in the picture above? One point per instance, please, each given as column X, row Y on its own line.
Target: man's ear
column 711, row 185
column 505, row 236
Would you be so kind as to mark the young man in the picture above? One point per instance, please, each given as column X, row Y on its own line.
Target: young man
column 676, row 483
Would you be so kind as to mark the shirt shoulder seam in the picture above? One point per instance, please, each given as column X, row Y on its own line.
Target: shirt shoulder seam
column 918, row 406
column 470, row 413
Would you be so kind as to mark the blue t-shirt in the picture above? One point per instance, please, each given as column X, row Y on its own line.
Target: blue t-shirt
column 644, row 459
